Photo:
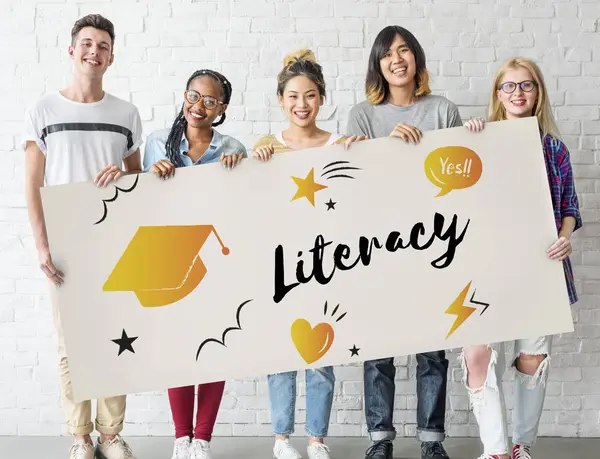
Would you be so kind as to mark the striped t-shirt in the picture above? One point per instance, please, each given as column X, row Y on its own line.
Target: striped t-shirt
column 80, row 139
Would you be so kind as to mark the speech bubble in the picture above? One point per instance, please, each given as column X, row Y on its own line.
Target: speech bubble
column 453, row 168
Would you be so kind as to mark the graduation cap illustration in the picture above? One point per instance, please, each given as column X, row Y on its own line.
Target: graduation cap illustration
column 162, row 264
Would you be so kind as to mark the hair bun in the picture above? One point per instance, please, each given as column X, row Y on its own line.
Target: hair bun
column 300, row 55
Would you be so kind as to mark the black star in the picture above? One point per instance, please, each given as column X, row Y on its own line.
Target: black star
column 354, row 351
column 330, row 205
column 125, row 343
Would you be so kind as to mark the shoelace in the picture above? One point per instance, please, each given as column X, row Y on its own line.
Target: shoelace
column 433, row 448
column 521, row 452
column 79, row 449
column 488, row 456
column 321, row 451
column 284, row 446
column 122, row 444
column 200, row 450
column 379, row 447
column 182, row 449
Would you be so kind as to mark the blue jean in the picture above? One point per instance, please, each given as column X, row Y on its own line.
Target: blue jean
column 432, row 379
column 319, row 399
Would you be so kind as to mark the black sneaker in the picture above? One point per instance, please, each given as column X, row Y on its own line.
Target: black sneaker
column 382, row 449
column 433, row 450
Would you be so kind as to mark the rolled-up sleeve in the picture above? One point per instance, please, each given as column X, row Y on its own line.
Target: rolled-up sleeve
column 232, row 146
column 136, row 134
column 32, row 131
column 569, row 202
column 242, row 151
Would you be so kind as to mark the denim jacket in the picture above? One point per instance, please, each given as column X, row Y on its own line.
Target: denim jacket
column 220, row 144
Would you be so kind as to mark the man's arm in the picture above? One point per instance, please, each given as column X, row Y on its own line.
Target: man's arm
column 132, row 164
column 35, row 163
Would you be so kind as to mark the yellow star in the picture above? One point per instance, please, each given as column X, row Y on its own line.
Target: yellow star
column 307, row 187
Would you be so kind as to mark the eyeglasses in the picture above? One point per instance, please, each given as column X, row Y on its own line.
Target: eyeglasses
column 527, row 86
column 193, row 97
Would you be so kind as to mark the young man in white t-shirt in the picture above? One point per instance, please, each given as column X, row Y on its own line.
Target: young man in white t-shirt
column 81, row 133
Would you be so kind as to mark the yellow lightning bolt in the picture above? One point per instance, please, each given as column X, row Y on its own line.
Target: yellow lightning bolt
column 461, row 311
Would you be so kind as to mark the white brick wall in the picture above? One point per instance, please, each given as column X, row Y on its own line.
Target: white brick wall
column 160, row 43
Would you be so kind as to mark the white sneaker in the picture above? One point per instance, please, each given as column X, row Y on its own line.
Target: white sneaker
column 284, row 450
column 317, row 450
column 200, row 450
column 117, row 448
column 181, row 448
column 81, row 450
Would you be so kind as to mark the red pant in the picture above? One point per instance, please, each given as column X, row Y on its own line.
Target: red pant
column 182, row 409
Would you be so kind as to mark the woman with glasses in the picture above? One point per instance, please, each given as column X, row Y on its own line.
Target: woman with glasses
column 519, row 91
column 192, row 140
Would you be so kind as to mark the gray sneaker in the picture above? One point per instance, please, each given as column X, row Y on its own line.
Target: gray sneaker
column 433, row 450
column 382, row 449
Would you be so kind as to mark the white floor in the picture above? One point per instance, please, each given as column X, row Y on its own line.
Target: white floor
column 260, row 448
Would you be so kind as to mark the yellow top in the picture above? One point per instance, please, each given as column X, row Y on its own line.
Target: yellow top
column 279, row 145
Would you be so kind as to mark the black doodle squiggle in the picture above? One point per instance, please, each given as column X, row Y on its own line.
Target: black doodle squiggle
column 340, row 176
column 487, row 305
column 222, row 340
column 346, row 168
column 335, row 163
column 114, row 198
column 343, row 167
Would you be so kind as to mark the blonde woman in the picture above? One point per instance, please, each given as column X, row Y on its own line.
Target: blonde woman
column 301, row 92
column 519, row 91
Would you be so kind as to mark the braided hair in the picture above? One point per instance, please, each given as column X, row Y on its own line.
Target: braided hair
column 180, row 123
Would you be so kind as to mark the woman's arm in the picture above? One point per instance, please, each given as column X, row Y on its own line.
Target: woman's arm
column 569, row 205
column 569, row 202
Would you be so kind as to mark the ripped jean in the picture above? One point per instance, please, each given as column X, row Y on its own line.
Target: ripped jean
column 488, row 401
column 319, row 400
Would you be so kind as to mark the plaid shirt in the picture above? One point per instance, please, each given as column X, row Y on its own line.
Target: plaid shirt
column 564, row 195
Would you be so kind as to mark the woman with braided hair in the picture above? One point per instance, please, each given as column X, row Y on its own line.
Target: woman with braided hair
column 192, row 140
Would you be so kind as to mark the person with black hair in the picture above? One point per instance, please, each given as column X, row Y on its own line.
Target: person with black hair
column 400, row 104
column 192, row 140
column 301, row 91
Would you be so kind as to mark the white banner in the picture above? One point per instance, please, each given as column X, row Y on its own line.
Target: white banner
column 317, row 257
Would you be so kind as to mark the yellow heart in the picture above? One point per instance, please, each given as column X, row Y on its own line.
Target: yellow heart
column 312, row 343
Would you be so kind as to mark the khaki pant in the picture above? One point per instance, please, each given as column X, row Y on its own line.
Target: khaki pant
column 110, row 412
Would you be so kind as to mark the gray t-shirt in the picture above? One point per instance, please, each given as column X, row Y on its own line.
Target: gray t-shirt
column 429, row 113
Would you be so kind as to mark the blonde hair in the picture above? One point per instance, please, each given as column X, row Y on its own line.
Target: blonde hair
column 542, row 108
column 301, row 62
column 299, row 55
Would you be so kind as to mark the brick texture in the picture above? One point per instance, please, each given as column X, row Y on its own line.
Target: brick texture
column 159, row 43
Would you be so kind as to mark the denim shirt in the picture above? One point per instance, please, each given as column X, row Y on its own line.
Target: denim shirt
column 220, row 144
